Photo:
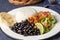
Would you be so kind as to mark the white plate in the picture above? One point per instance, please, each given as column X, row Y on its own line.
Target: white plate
column 53, row 32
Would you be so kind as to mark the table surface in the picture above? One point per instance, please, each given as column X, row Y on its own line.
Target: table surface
column 5, row 6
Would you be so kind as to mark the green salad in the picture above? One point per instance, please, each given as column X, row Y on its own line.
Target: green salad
column 46, row 24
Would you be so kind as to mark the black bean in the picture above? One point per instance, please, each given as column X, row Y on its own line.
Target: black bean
column 19, row 28
column 15, row 24
column 32, row 24
column 19, row 24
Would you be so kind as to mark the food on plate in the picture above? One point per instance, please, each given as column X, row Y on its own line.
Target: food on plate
column 43, row 21
column 40, row 27
column 25, row 28
column 37, row 24
column 7, row 19
column 24, row 2
column 39, row 16
column 23, row 12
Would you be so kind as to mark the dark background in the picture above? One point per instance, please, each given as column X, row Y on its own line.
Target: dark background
column 5, row 6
